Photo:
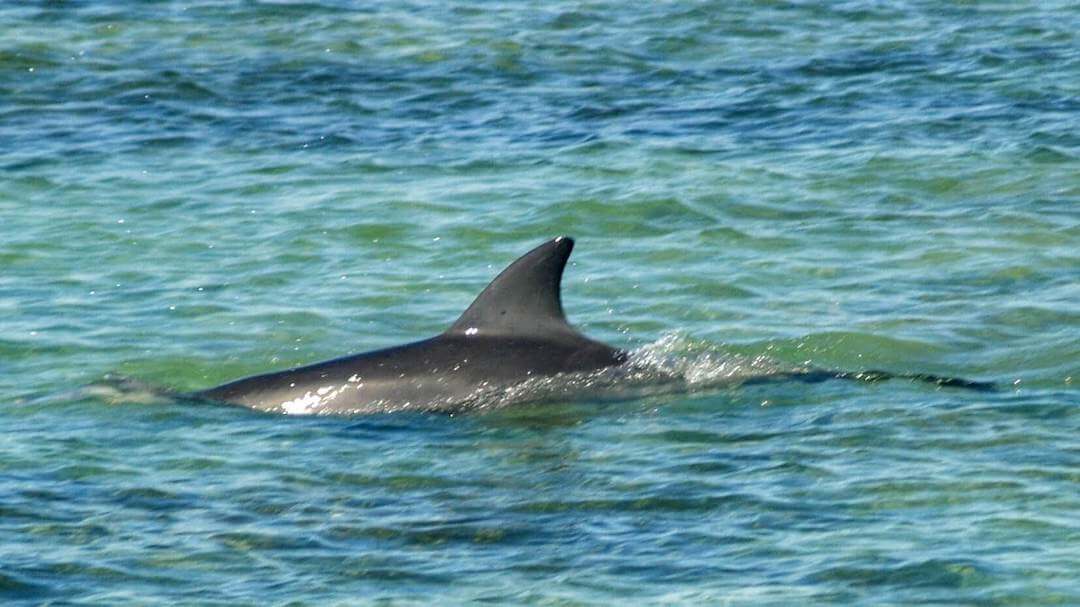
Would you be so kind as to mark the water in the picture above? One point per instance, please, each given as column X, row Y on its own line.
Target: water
column 196, row 191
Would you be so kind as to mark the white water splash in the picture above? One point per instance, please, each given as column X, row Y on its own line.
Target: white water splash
column 673, row 364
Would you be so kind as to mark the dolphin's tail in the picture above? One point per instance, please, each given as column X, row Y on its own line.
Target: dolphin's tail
column 872, row 376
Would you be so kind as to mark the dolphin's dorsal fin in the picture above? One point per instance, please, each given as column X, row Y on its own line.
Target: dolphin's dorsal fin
column 524, row 299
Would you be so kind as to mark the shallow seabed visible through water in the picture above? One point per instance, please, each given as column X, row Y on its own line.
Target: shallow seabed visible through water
column 196, row 191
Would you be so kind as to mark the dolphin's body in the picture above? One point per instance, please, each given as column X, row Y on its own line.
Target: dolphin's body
column 513, row 332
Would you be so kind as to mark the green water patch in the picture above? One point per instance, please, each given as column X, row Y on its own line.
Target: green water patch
column 853, row 351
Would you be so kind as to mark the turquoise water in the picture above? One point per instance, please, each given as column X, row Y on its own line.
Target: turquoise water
column 195, row 191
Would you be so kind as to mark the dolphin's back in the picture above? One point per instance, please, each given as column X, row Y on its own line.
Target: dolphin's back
column 514, row 331
column 432, row 374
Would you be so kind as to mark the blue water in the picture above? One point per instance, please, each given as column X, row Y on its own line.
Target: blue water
column 195, row 191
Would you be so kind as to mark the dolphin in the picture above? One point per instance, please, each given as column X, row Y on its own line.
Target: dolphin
column 514, row 333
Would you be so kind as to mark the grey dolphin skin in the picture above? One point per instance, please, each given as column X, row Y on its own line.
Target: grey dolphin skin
column 514, row 331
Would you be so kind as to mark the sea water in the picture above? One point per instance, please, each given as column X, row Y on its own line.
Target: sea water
column 195, row 191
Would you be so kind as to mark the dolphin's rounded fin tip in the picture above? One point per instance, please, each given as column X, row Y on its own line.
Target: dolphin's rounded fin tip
column 563, row 243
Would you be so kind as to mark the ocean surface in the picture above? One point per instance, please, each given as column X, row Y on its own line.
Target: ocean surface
column 195, row 191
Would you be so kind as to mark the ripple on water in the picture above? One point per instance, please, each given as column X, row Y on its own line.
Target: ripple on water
column 198, row 192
